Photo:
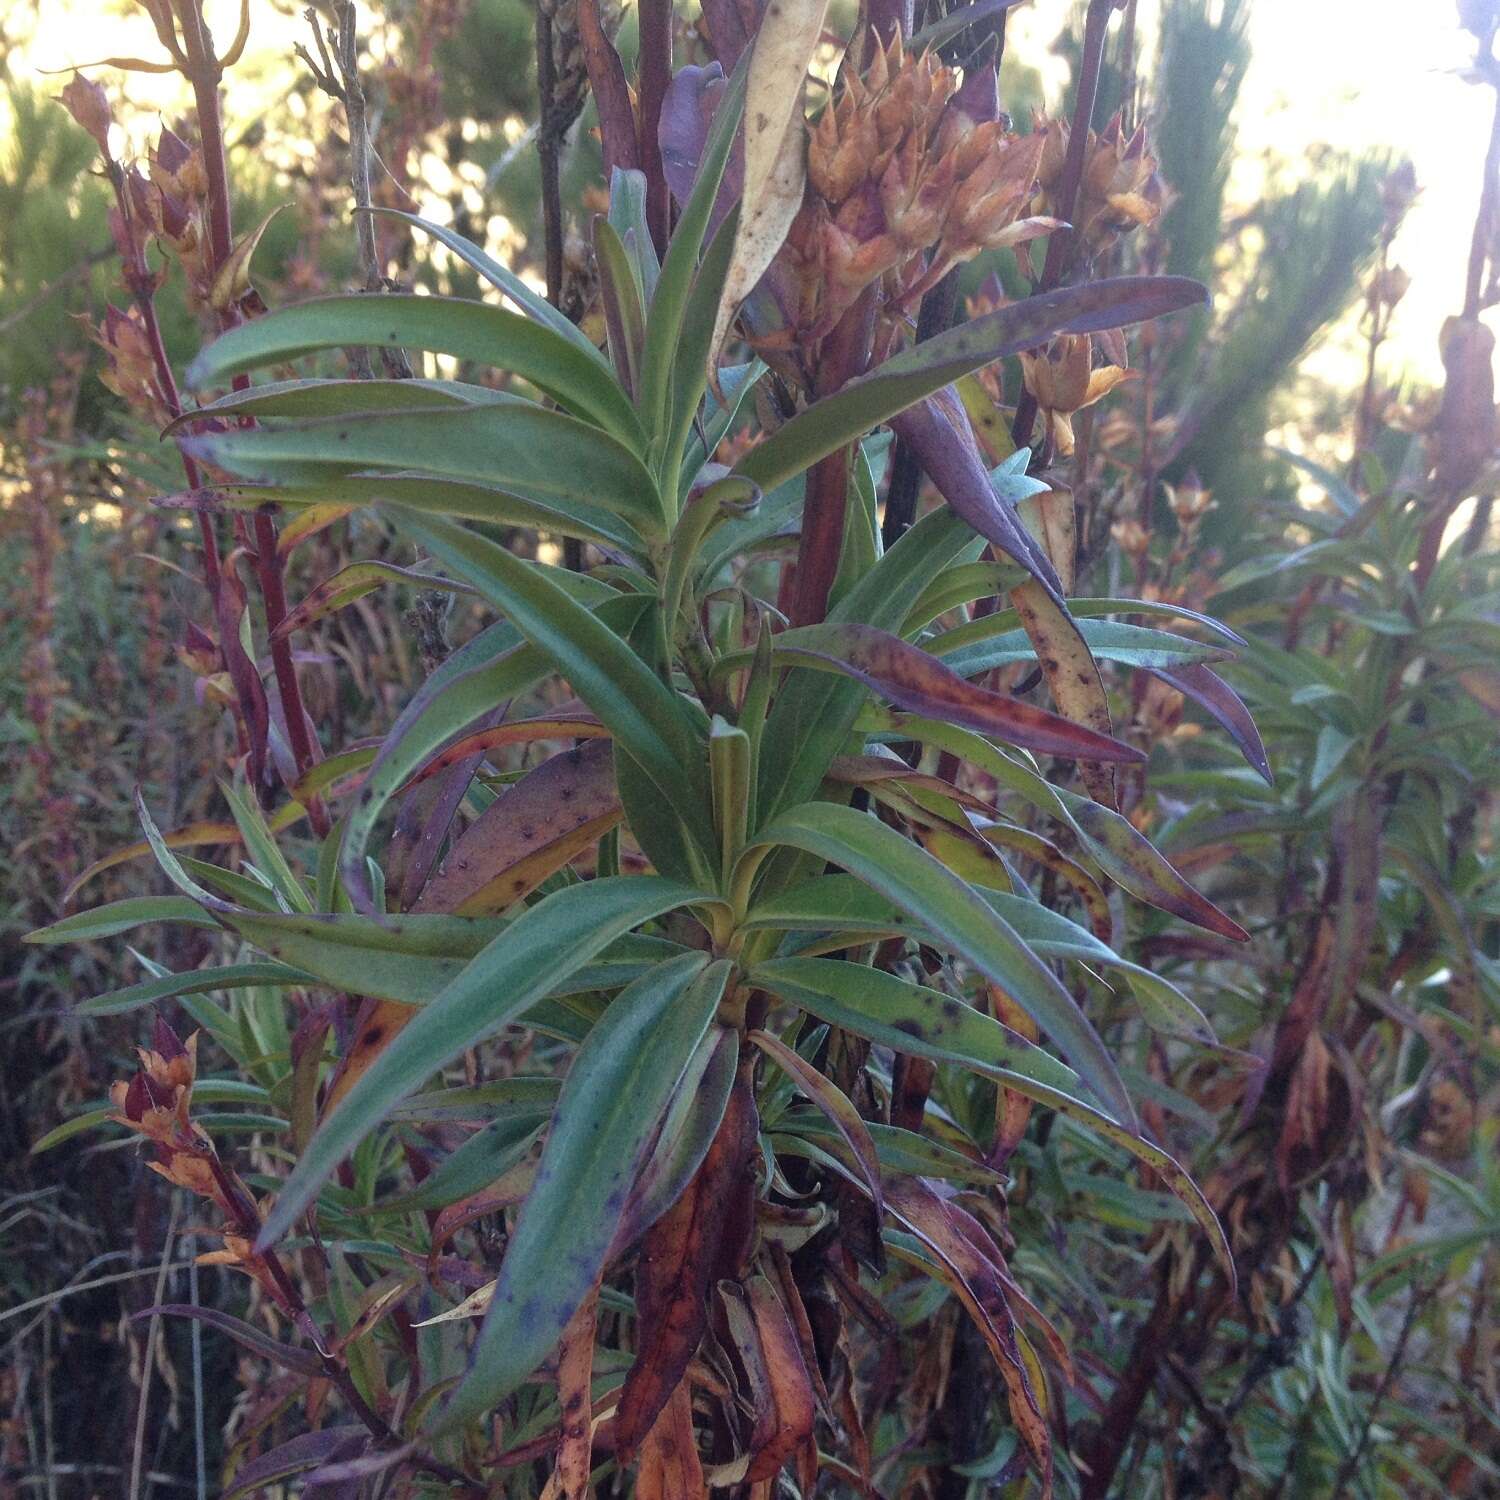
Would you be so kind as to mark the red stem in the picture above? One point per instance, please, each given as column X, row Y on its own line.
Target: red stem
column 655, row 70
column 203, row 74
column 845, row 354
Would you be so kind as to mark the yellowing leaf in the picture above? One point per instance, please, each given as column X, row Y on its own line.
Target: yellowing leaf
column 1072, row 677
column 775, row 151
column 232, row 279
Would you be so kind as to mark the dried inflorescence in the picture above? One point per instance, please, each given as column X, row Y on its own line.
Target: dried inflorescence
column 1119, row 191
column 1063, row 379
column 903, row 161
column 156, row 1103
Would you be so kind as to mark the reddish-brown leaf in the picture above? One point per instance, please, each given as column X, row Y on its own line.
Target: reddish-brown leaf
column 535, row 828
column 558, row 726
column 670, row 1467
column 701, row 1238
column 915, row 680
column 779, row 1385
column 973, row 1279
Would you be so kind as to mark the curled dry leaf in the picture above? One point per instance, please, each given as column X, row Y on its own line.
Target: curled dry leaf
column 670, row 1466
column 775, row 151
column 701, row 1238
column 575, row 1365
column 232, row 280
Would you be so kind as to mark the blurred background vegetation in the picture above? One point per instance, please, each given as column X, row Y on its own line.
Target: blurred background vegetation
column 1308, row 548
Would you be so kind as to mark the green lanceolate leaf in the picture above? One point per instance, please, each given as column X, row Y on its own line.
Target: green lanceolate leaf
column 502, row 277
column 619, row 1085
column 265, row 853
column 407, row 958
column 334, row 398
column 669, row 301
column 426, row 492
column 199, row 982
column 456, row 326
column 643, row 714
column 927, row 367
column 690, row 366
column 543, row 455
column 911, row 1018
column 980, row 645
column 814, row 711
column 624, row 310
column 488, row 1154
column 559, row 934
column 120, row 916
column 924, row 889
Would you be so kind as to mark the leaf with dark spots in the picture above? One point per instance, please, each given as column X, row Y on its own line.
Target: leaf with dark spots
column 1050, row 857
column 617, row 1089
column 895, row 1012
column 575, row 1363
column 550, row 815
column 920, row 683
column 257, row 1341
column 1072, row 676
column 352, row 583
column 1129, row 857
column 1215, row 696
column 700, row 1239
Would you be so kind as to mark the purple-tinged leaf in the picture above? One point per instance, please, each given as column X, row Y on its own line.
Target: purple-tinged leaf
column 309, row 1451
column 299, row 1361
column 939, row 434
column 919, row 682
column 1215, row 696
column 341, row 1471
column 687, row 112
column 925, row 368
